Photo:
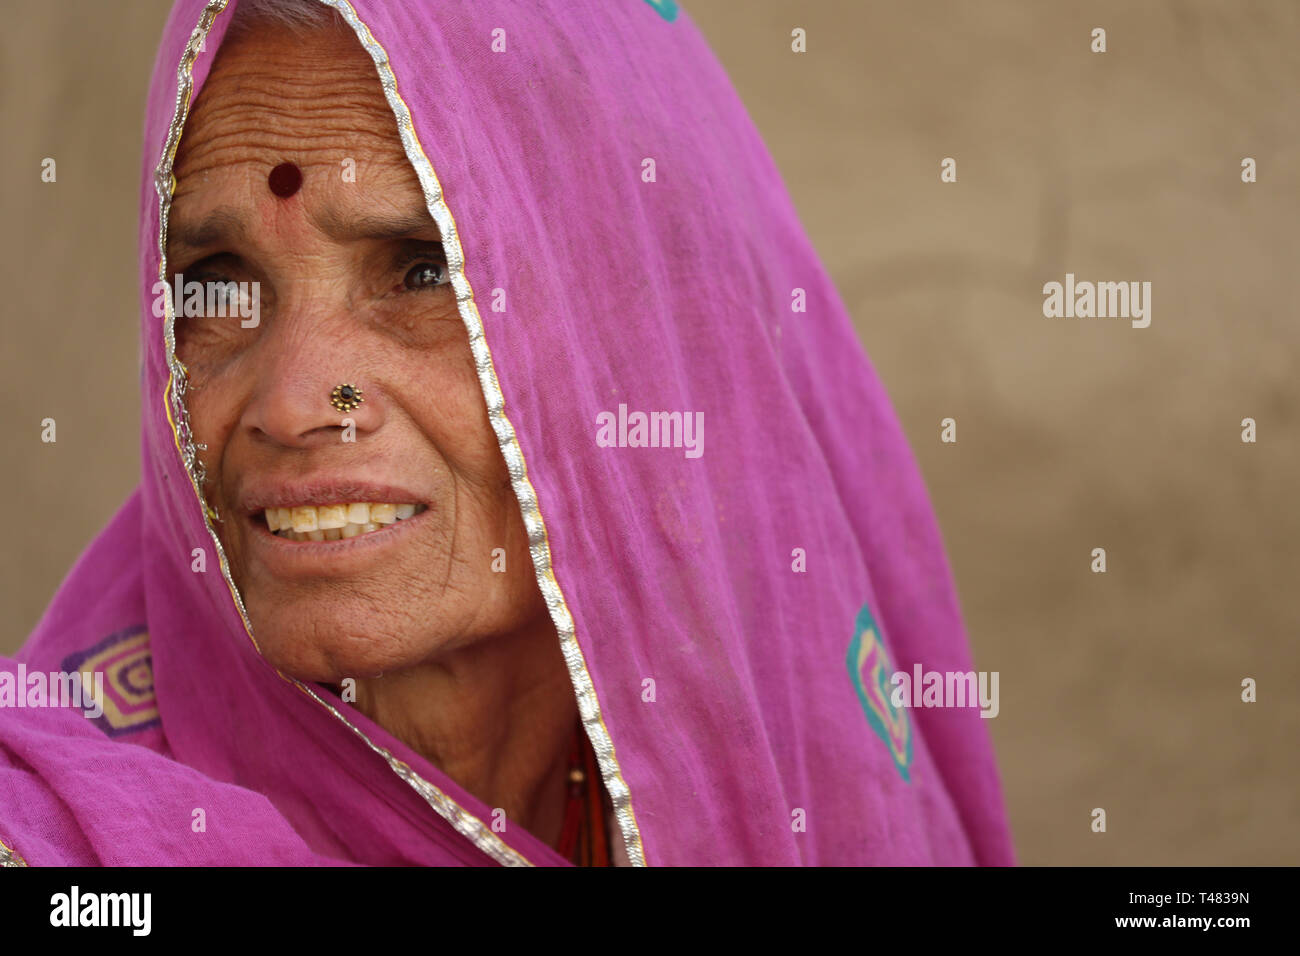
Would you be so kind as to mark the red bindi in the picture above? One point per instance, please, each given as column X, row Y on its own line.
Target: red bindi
column 285, row 180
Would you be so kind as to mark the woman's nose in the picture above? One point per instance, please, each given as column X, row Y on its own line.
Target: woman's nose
column 302, row 410
column 314, row 394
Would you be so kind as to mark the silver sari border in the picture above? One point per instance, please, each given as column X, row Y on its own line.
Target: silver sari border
column 9, row 856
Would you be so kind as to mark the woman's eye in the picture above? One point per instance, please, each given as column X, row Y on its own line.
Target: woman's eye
column 207, row 294
column 224, row 291
column 426, row 275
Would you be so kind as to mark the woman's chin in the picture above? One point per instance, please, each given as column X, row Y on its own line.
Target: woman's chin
column 327, row 648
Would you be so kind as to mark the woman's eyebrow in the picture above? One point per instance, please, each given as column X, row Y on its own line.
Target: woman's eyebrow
column 219, row 227
column 367, row 226
column 225, row 225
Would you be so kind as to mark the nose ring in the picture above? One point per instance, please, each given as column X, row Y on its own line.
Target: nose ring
column 346, row 397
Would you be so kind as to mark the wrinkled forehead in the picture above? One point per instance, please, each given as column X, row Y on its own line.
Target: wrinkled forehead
column 311, row 99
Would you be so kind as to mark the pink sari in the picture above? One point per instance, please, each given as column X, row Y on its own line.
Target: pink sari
column 730, row 604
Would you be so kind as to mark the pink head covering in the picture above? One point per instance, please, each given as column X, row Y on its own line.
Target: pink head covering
column 730, row 604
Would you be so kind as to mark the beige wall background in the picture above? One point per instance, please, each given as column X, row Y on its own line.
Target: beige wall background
column 1118, row 690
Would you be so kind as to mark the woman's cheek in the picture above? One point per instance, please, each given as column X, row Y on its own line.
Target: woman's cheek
column 207, row 349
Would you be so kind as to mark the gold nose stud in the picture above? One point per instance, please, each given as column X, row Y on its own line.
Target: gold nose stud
column 346, row 397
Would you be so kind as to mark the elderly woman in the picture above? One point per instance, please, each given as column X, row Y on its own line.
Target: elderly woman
column 522, row 495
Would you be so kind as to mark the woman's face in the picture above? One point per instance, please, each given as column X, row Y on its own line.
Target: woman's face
column 352, row 290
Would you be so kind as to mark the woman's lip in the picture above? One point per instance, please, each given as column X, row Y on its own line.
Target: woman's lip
column 288, row 550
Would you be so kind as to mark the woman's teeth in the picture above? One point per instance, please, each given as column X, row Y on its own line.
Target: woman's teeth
column 332, row 522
